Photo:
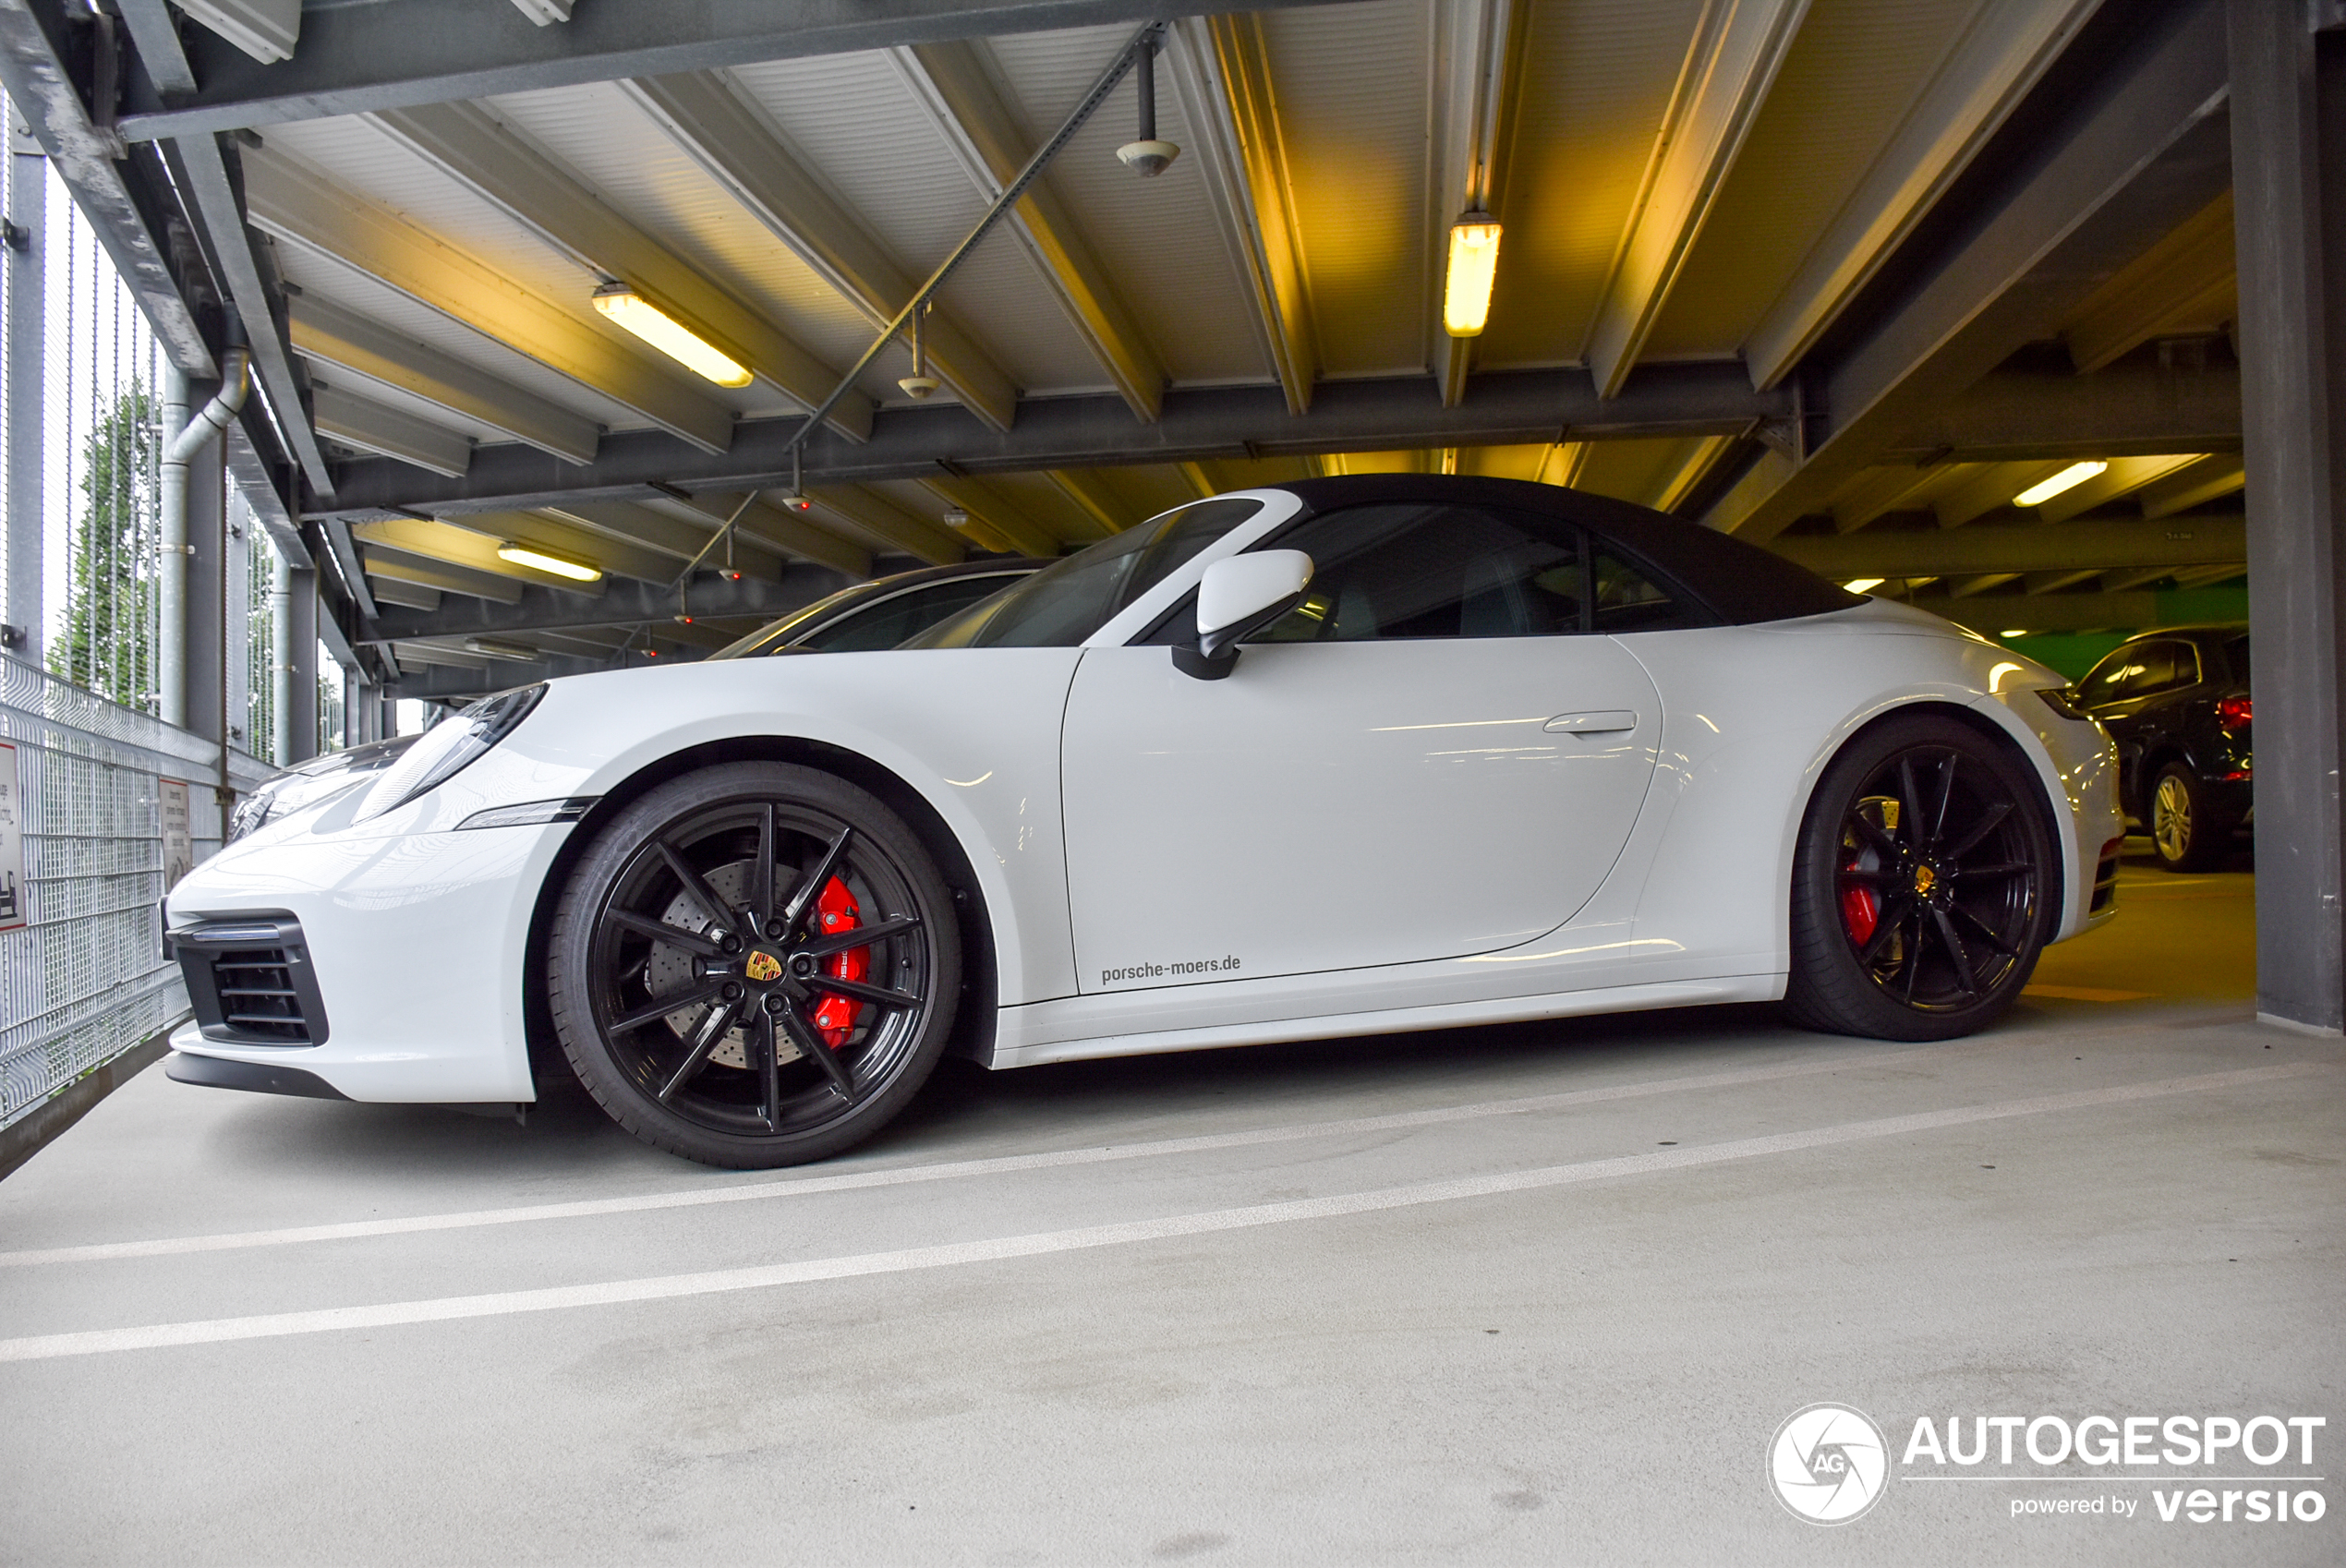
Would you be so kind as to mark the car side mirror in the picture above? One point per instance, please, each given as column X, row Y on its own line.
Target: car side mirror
column 1237, row 597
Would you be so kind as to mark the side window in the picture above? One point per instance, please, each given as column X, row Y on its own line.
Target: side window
column 2165, row 666
column 1626, row 600
column 1410, row 570
column 891, row 621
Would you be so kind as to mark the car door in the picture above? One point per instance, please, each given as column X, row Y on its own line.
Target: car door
column 1432, row 757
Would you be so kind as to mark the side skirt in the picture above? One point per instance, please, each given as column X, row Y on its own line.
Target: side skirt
column 1010, row 1051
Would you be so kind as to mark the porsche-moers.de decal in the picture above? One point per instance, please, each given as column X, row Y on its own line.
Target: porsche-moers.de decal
column 1183, row 969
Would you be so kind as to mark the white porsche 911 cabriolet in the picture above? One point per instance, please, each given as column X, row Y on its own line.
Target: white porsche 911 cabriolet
column 1337, row 757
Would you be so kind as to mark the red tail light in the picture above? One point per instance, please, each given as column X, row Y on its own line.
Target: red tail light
column 2232, row 712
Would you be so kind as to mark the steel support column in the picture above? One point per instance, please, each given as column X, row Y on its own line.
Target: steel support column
column 28, row 188
column 2289, row 172
column 299, row 652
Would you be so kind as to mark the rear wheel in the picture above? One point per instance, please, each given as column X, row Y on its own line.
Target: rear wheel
column 1923, row 887
column 755, row 965
column 2186, row 834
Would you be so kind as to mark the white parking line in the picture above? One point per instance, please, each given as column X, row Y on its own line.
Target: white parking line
column 997, row 1166
column 42, row 1348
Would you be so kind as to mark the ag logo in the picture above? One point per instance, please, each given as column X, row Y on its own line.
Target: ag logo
column 1828, row 1463
column 762, row 967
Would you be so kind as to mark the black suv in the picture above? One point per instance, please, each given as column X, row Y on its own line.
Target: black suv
column 2176, row 702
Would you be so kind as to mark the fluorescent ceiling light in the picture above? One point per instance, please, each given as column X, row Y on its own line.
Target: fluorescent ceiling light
column 671, row 337
column 1862, row 584
column 2068, row 478
column 1474, row 263
column 539, row 561
column 484, row 646
column 2017, row 631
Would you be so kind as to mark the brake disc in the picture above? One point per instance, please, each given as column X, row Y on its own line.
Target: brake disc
column 670, row 969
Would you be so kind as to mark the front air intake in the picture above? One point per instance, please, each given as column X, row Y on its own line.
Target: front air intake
column 249, row 980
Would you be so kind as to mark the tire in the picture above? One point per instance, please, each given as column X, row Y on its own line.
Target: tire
column 786, row 1040
column 2186, row 832
column 1924, row 885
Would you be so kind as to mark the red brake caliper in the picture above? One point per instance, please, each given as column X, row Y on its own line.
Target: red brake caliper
column 835, row 911
column 1860, row 909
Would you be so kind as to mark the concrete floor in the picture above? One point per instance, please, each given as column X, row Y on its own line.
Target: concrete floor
column 1217, row 1350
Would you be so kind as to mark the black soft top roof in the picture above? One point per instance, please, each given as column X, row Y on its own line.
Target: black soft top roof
column 1737, row 582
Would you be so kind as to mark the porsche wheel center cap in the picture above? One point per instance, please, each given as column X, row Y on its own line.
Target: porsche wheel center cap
column 763, row 966
column 1926, row 879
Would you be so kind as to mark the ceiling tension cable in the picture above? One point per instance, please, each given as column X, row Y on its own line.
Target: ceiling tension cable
column 1143, row 45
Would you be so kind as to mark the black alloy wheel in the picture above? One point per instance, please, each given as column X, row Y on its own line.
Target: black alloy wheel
column 1925, row 887
column 755, row 965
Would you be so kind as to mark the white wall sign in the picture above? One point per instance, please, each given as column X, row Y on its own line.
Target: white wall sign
column 178, row 848
column 12, row 821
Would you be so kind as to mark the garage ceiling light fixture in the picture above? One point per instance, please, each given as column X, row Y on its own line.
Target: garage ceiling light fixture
column 1862, row 584
column 489, row 649
column 1474, row 263
column 540, row 561
column 2068, row 478
column 624, row 306
column 2017, row 631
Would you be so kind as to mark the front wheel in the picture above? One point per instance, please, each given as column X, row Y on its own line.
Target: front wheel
column 1924, row 885
column 754, row 965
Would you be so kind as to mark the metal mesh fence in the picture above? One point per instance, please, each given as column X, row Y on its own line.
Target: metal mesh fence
column 84, row 980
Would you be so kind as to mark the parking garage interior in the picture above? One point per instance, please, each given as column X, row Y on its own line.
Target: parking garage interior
column 545, row 337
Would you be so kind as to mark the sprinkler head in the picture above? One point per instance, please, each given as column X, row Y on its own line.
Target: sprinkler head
column 917, row 387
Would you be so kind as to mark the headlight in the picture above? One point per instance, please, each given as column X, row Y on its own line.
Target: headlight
column 449, row 747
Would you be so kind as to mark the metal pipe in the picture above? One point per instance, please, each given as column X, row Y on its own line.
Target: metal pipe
column 281, row 662
column 184, row 439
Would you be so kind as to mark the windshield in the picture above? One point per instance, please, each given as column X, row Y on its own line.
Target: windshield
column 1065, row 603
column 774, row 634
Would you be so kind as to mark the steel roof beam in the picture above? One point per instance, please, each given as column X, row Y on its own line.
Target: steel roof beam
column 950, row 83
column 619, row 557
column 429, row 571
column 2184, row 281
column 327, row 334
column 128, row 203
column 1222, row 74
column 783, row 530
column 2067, row 547
column 356, row 59
column 356, row 420
column 1477, row 57
column 295, row 205
column 1101, row 507
column 1999, row 59
column 2137, row 409
column 720, row 134
column 989, row 512
column 1500, row 408
column 626, row 604
column 1737, row 49
column 471, row 146
column 1991, row 613
column 868, row 512
column 204, row 170
column 646, row 528
column 2123, row 160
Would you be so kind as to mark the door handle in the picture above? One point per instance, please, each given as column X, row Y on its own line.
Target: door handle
column 1607, row 722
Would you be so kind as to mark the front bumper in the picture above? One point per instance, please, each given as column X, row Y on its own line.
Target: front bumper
column 416, row 946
